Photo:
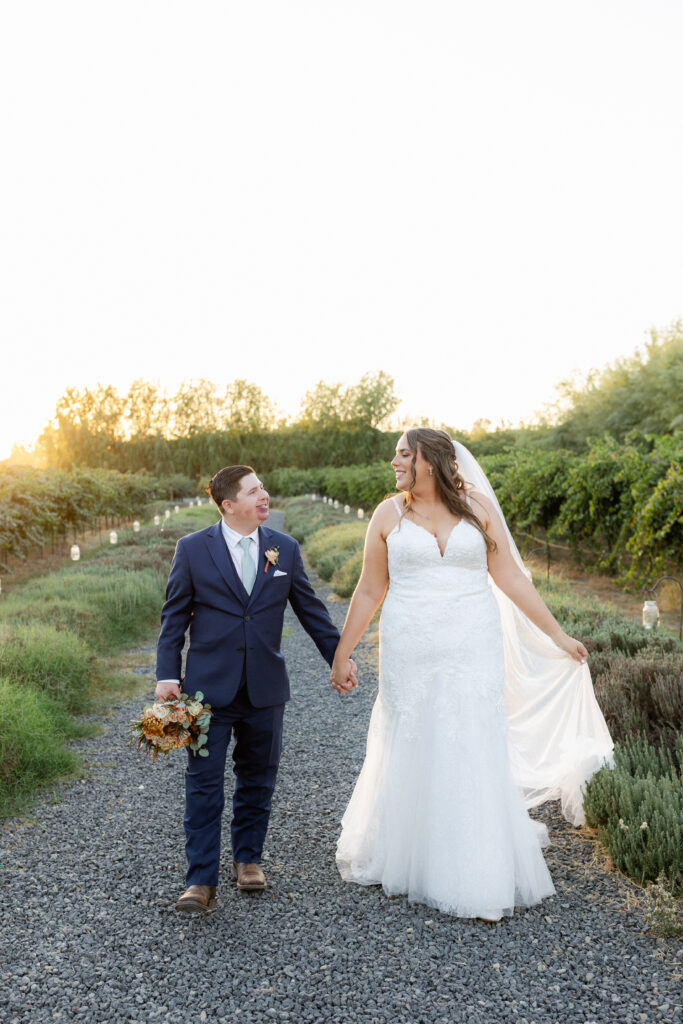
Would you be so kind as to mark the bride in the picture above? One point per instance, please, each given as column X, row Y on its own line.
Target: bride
column 485, row 705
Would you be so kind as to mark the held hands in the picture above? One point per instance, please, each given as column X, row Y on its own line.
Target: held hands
column 344, row 675
column 574, row 648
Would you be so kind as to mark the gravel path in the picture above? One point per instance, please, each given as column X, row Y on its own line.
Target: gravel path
column 88, row 933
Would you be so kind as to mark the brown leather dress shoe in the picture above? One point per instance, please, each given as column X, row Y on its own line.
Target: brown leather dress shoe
column 250, row 877
column 198, row 899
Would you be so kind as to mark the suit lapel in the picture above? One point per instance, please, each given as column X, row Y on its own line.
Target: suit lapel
column 264, row 536
column 224, row 563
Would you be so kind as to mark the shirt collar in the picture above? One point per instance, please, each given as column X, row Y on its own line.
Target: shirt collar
column 232, row 537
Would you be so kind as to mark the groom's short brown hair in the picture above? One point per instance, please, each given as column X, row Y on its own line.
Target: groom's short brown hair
column 225, row 484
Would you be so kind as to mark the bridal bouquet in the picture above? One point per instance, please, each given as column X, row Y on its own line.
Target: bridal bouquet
column 176, row 722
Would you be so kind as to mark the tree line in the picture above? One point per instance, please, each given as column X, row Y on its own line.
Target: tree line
column 147, row 428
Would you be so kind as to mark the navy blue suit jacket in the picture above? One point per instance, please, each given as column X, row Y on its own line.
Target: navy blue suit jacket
column 231, row 630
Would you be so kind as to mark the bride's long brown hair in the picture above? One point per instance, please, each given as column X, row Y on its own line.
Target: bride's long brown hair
column 437, row 449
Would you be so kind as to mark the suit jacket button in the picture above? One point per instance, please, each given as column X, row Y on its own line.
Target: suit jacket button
column 247, row 618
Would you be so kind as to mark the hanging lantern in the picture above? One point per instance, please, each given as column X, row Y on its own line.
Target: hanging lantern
column 177, row 509
column 347, row 509
column 75, row 553
column 113, row 537
column 324, row 499
column 136, row 526
column 335, row 503
column 650, row 615
column 167, row 513
column 314, row 497
column 361, row 513
column 157, row 520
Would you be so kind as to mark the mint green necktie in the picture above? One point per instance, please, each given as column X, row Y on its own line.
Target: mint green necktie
column 248, row 567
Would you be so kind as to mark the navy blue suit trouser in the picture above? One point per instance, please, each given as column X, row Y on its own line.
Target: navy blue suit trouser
column 256, row 755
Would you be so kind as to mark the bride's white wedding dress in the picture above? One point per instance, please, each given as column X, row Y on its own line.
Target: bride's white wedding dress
column 435, row 813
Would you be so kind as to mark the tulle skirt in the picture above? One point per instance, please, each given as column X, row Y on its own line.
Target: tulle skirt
column 436, row 816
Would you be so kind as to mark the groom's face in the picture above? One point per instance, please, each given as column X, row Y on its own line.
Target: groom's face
column 249, row 508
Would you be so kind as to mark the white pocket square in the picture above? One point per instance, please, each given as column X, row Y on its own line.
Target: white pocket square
column 279, row 572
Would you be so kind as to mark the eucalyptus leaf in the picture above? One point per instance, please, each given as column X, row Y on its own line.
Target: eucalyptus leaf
column 199, row 696
column 203, row 753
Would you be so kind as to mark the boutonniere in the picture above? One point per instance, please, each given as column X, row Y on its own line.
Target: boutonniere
column 272, row 557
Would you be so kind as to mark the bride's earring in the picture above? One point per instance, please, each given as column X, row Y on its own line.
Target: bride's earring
column 431, row 471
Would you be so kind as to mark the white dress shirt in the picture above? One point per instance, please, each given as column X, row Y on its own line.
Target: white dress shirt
column 232, row 541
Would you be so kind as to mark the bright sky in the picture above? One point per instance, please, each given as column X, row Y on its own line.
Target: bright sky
column 478, row 198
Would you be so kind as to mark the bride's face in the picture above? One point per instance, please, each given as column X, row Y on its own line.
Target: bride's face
column 402, row 464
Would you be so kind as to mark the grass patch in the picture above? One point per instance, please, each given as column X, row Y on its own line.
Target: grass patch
column 56, row 662
column 54, row 632
column 106, row 609
column 33, row 731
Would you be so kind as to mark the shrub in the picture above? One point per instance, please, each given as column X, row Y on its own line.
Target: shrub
column 345, row 578
column 601, row 628
column 329, row 548
column 637, row 808
column 640, row 694
column 304, row 517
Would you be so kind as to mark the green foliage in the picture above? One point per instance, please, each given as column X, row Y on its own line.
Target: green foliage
column 620, row 506
column 637, row 808
column 625, row 503
column 106, row 606
column 197, row 430
column 603, row 630
column 345, row 578
column 358, row 486
column 370, row 402
column 33, row 730
column 531, row 485
column 328, row 549
column 640, row 393
column 641, row 695
column 54, row 661
column 50, row 629
column 37, row 506
column 304, row 517
column 664, row 913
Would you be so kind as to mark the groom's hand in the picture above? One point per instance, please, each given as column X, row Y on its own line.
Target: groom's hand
column 166, row 690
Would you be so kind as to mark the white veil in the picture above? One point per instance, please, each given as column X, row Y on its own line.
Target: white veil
column 557, row 735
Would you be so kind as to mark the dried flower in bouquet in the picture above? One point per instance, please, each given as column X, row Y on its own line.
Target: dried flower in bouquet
column 174, row 723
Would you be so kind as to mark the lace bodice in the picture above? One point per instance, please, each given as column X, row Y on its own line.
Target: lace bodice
column 440, row 630
column 416, row 561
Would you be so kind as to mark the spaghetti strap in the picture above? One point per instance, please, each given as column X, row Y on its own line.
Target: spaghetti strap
column 397, row 507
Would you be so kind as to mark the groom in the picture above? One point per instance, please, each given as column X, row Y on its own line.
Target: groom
column 230, row 583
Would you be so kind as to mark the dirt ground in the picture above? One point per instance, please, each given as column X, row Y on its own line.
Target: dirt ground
column 604, row 589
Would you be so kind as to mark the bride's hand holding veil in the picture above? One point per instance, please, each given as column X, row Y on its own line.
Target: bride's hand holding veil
column 574, row 648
